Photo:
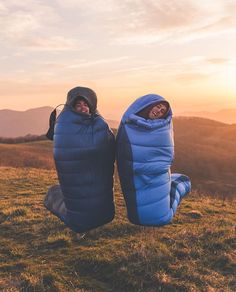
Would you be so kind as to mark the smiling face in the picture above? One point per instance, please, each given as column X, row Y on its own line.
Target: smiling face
column 81, row 106
column 158, row 111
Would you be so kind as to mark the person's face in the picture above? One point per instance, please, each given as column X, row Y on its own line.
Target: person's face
column 81, row 106
column 158, row 111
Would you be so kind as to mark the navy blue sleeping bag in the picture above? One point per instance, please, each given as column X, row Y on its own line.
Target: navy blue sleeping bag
column 84, row 156
column 145, row 152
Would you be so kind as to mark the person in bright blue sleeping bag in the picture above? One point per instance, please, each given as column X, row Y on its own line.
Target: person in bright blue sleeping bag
column 84, row 154
column 145, row 152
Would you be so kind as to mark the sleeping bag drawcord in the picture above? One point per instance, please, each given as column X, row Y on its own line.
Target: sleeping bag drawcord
column 52, row 121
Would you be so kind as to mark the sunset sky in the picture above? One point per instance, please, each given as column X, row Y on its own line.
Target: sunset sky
column 183, row 50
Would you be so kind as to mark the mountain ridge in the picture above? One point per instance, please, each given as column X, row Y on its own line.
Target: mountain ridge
column 34, row 121
column 226, row 115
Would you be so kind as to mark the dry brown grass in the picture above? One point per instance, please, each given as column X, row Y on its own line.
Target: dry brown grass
column 38, row 253
column 32, row 154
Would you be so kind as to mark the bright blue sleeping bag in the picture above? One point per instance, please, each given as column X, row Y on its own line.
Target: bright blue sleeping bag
column 84, row 153
column 145, row 152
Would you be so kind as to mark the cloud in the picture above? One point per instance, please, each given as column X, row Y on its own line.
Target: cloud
column 19, row 25
column 199, row 68
column 54, row 65
column 209, row 65
column 88, row 6
column 151, row 22
column 136, row 14
column 55, row 43
column 161, row 15
column 217, row 61
column 25, row 19
column 96, row 62
column 190, row 78
column 3, row 8
column 136, row 22
column 35, row 13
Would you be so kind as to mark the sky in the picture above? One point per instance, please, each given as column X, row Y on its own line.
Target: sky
column 183, row 50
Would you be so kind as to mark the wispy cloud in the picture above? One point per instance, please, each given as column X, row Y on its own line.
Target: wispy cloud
column 190, row 78
column 55, row 43
column 3, row 8
column 151, row 22
column 116, row 22
column 96, row 62
column 217, row 61
column 23, row 21
column 22, row 17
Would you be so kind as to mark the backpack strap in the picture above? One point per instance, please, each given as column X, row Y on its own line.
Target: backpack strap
column 52, row 121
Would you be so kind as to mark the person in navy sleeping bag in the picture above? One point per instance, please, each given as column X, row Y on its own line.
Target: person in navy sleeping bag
column 84, row 154
column 145, row 152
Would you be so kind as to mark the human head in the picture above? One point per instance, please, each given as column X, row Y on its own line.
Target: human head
column 88, row 94
column 81, row 105
column 157, row 110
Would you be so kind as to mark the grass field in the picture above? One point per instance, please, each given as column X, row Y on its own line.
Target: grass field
column 37, row 154
column 38, row 253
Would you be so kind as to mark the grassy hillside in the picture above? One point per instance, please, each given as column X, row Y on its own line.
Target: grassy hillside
column 38, row 154
column 37, row 253
column 225, row 115
column 204, row 150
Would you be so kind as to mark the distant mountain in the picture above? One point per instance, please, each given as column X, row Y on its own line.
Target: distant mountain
column 227, row 116
column 20, row 123
column 33, row 121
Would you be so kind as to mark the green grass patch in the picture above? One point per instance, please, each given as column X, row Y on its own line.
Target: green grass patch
column 38, row 253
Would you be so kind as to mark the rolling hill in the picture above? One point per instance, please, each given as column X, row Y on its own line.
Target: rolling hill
column 227, row 116
column 30, row 122
column 35, row 121
column 21, row 123
column 204, row 150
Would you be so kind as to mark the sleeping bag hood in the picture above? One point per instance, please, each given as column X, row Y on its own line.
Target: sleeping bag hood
column 145, row 152
column 84, row 157
column 131, row 115
column 88, row 94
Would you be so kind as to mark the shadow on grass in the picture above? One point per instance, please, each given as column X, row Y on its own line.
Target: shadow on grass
column 3, row 217
column 59, row 243
column 225, row 264
column 114, row 231
column 13, row 268
column 139, row 269
column 31, row 283
column 20, row 235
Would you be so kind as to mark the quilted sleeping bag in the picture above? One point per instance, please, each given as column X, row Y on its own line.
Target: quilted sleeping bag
column 84, row 154
column 145, row 152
